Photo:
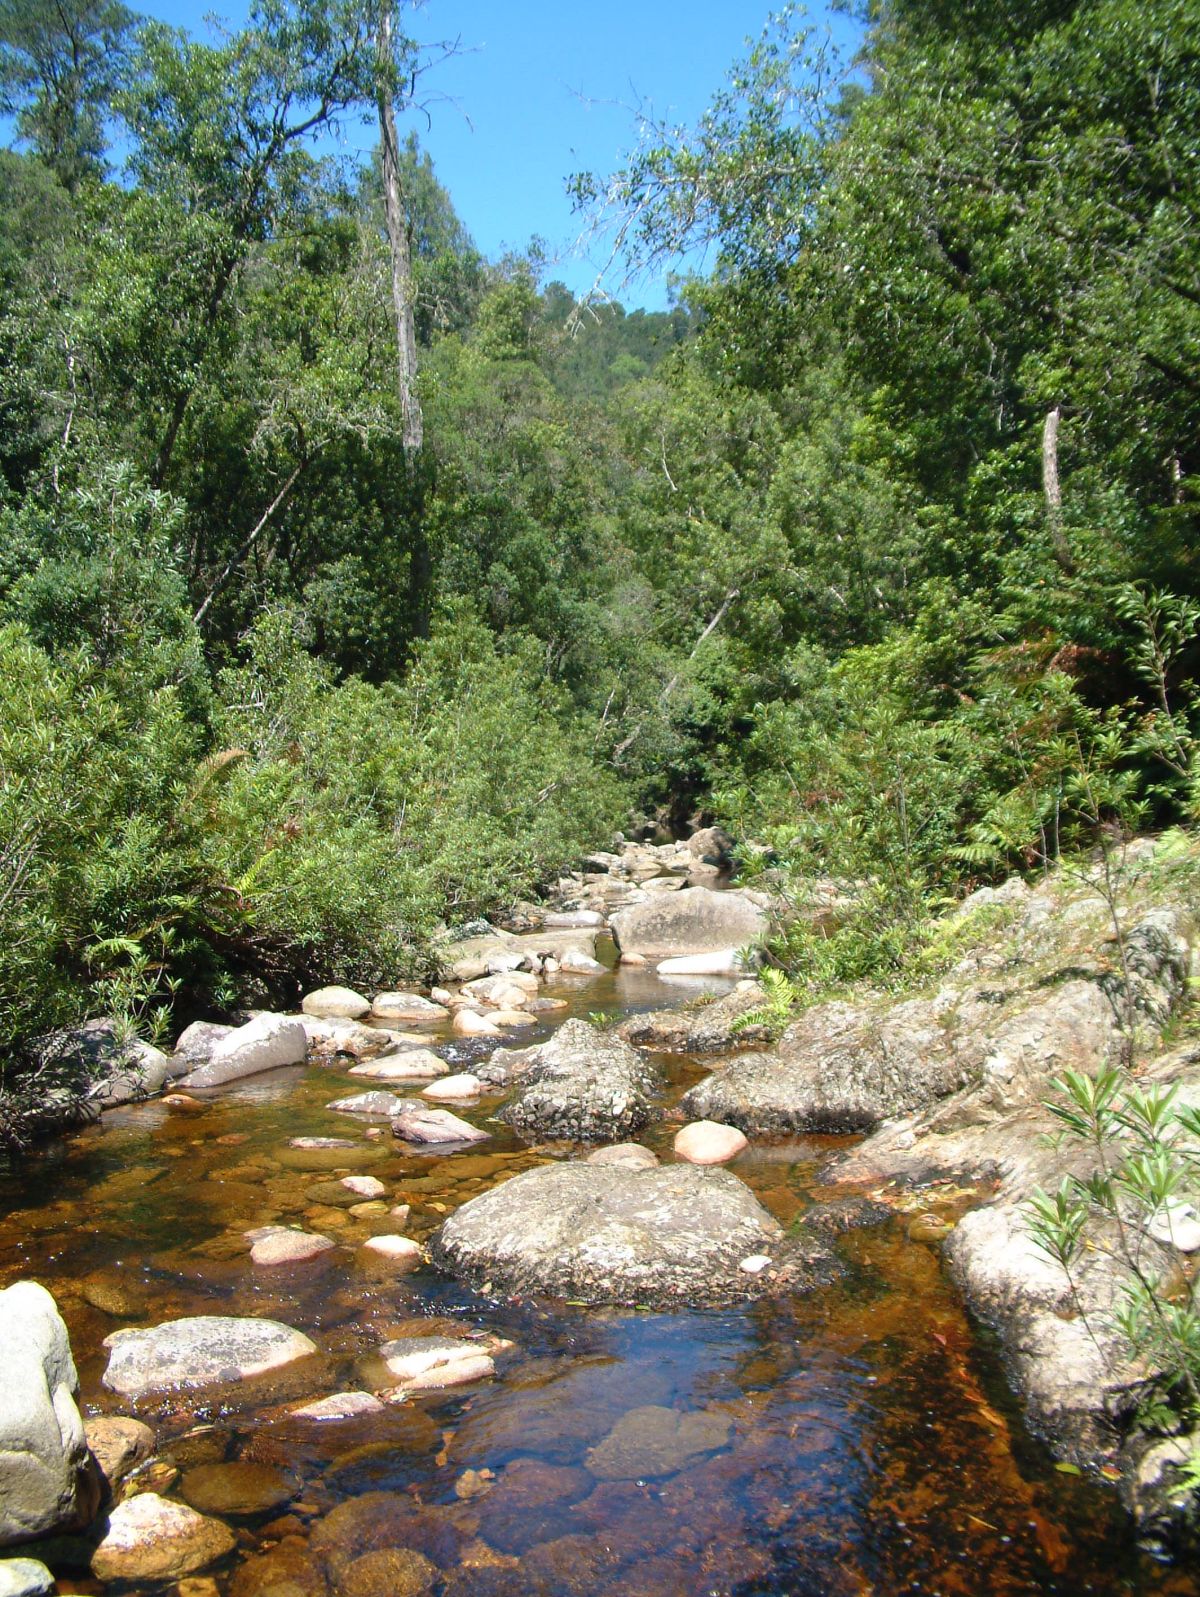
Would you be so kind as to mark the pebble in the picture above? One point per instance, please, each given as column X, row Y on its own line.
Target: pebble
column 403, row 1252
column 365, row 1186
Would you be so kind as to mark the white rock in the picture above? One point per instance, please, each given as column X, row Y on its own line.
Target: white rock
column 282, row 1245
column 265, row 1043
column 721, row 962
column 415, row 1064
column 203, row 1350
column 24, row 1577
column 469, row 1023
column 408, row 1007
column 336, row 1003
column 755, row 1264
column 338, row 1406
column 364, row 1186
column 577, row 963
column 150, row 1539
column 453, row 1088
column 403, row 1252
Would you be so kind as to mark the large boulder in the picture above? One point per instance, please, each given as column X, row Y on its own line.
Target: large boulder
column 206, row 1350
column 107, row 1066
column 695, row 921
column 265, row 1043
column 840, row 1067
column 196, row 1042
column 583, row 1086
column 606, row 1233
column 47, row 1480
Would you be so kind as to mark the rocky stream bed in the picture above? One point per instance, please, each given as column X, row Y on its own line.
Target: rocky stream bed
column 466, row 1293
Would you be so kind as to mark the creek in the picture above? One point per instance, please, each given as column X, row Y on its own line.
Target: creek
column 873, row 1446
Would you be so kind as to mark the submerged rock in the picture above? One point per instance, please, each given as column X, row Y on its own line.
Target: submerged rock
column 650, row 1442
column 206, row 1350
column 284, row 1245
column 417, row 1122
column 151, row 1539
column 48, row 1482
column 338, row 1406
column 674, row 1233
column 432, row 1364
column 701, row 1028
column 240, row 1488
column 583, row 1086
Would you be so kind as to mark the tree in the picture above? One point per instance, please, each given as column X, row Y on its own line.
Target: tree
column 62, row 63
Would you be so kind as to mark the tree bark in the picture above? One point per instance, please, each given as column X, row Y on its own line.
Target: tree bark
column 1053, row 491
column 403, row 323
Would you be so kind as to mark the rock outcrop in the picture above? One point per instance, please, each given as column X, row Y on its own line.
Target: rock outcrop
column 582, row 1086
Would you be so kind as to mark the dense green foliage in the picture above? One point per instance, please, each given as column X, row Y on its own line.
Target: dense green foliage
column 867, row 548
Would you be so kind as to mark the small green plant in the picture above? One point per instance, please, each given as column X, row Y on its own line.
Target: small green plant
column 600, row 1018
column 782, row 996
column 1137, row 1199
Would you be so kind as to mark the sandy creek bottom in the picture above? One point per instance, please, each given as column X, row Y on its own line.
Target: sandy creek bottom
column 874, row 1447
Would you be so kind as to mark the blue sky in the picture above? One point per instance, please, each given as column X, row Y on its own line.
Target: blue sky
column 544, row 89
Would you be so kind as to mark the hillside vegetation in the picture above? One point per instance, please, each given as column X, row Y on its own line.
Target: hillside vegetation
column 879, row 548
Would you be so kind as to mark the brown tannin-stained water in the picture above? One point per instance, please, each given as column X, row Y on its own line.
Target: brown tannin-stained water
column 872, row 1445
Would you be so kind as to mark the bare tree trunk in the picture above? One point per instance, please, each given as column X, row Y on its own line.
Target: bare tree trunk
column 397, row 231
column 1053, row 491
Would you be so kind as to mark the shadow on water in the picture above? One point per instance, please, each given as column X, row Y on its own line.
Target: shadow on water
column 865, row 1440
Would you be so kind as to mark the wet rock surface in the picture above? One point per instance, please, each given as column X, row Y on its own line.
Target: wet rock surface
column 604, row 1233
column 201, row 1351
column 149, row 1538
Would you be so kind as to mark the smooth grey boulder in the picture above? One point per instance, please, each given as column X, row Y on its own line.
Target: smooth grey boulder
column 604, row 1234
column 108, row 1066
column 47, row 1480
column 840, row 1067
column 694, row 921
column 583, row 1086
column 265, row 1043
column 206, row 1350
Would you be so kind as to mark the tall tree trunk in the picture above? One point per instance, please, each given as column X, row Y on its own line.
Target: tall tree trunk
column 397, row 232
column 1053, row 492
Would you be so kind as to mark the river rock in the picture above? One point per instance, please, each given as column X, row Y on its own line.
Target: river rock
column 196, row 1042
column 412, row 1064
column 24, row 1577
column 329, row 1037
column 695, row 921
column 675, row 1233
column 706, row 1142
column 510, row 991
column 339, row 1406
column 720, row 962
column 575, row 962
column 206, row 1350
column 650, row 1442
column 454, row 1089
column 418, row 1123
column 402, row 1252
column 411, row 1008
column 283, row 1245
column 151, row 1539
column 265, row 1043
column 375, row 1105
column 712, row 845
column 237, row 1489
column 840, row 1067
column 335, row 1003
column 118, row 1444
column 364, row 1186
column 701, row 1028
column 432, row 1364
column 47, row 1480
column 583, row 1086
column 568, row 920
column 471, row 1023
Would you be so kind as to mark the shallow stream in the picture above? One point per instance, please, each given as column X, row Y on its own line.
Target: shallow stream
column 874, row 1447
